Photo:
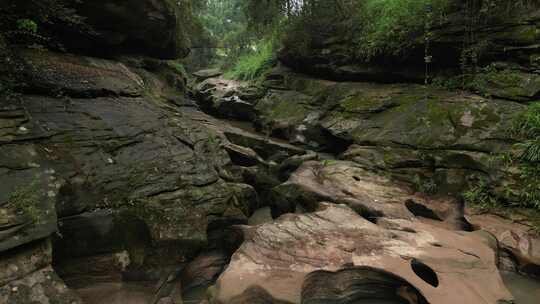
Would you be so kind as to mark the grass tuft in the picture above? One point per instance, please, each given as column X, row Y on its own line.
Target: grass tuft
column 252, row 66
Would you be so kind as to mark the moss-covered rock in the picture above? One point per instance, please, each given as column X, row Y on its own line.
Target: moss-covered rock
column 431, row 137
column 100, row 146
column 506, row 83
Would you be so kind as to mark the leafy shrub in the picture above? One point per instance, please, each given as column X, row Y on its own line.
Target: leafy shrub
column 394, row 26
column 480, row 196
column 27, row 25
column 178, row 67
column 530, row 185
column 528, row 125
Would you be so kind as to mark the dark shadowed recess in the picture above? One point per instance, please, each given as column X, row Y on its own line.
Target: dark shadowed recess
column 358, row 285
column 425, row 273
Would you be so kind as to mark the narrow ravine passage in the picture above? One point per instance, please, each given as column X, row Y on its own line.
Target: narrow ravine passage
column 270, row 152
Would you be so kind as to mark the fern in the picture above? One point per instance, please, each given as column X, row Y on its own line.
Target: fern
column 531, row 150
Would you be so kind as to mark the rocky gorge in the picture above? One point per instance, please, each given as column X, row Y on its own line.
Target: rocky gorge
column 124, row 180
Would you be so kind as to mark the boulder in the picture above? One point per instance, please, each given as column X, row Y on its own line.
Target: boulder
column 226, row 98
column 242, row 135
column 334, row 254
column 507, row 83
column 202, row 75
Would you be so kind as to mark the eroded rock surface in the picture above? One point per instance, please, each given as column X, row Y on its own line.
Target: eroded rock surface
column 371, row 194
column 519, row 240
column 131, row 177
column 435, row 139
column 282, row 257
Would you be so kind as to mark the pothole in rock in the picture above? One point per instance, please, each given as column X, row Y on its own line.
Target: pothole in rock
column 421, row 210
column 425, row 272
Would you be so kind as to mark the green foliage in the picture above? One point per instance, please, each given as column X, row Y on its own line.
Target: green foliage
column 424, row 185
column 374, row 29
column 328, row 162
column 528, row 128
column 528, row 125
column 226, row 26
column 522, row 199
column 527, row 168
column 27, row 25
column 393, row 26
column 529, row 194
column 531, row 150
column 178, row 67
column 252, row 66
column 481, row 197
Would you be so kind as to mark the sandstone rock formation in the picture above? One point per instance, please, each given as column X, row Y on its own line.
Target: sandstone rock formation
column 429, row 137
column 334, row 255
column 110, row 172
